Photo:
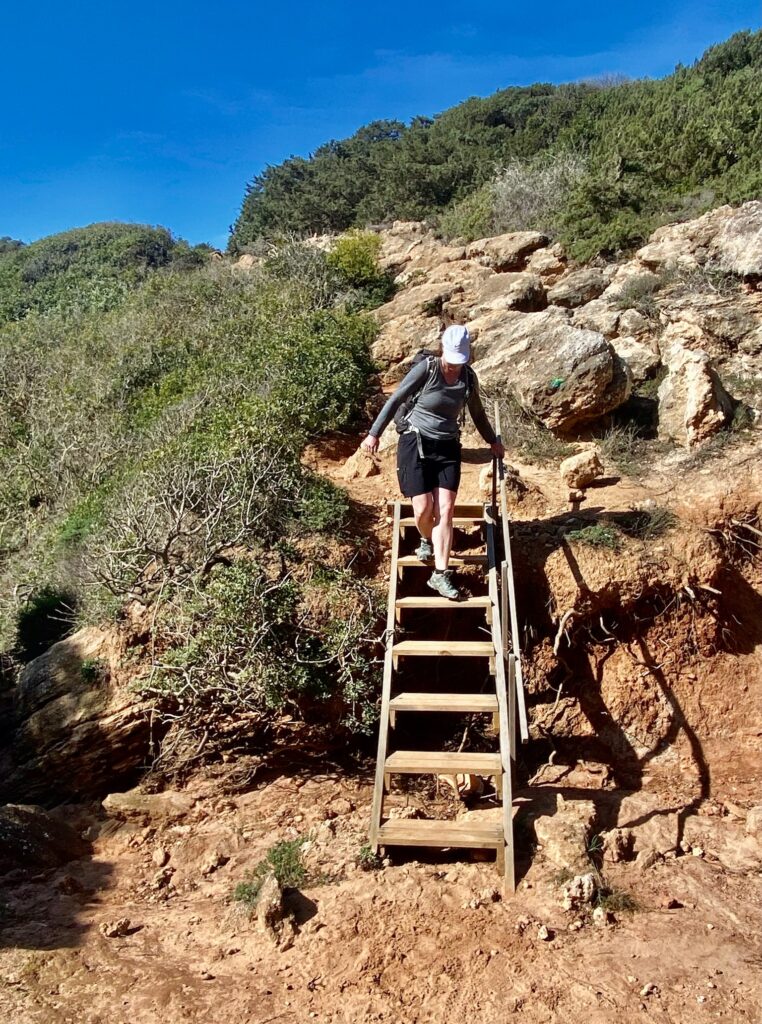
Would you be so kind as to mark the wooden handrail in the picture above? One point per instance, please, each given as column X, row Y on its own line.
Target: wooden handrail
column 509, row 599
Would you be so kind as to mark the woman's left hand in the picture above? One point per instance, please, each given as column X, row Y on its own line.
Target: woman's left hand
column 497, row 449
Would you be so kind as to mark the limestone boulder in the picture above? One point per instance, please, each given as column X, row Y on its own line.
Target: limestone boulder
column 737, row 246
column 582, row 469
column 360, row 466
column 549, row 263
column 693, row 403
column 135, row 805
column 563, row 833
column 76, row 725
column 725, row 321
column 599, row 316
column 562, row 375
column 31, row 838
column 577, row 287
column 506, row 252
column 643, row 358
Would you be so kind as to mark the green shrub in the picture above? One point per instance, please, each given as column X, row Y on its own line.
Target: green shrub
column 471, row 217
column 285, row 861
column 597, row 535
column 354, row 257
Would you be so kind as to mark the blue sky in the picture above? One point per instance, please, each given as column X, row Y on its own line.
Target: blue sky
column 161, row 112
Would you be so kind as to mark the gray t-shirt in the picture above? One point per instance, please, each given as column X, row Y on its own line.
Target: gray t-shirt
column 436, row 411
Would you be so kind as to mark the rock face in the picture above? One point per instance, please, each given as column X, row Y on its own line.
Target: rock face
column 693, row 404
column 31, row 838
column 73, row 731
column 562, row 375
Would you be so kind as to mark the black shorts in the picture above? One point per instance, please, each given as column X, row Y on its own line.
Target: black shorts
column 440, row 466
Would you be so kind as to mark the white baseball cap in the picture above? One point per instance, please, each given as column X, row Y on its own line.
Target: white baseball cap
column 456, row 344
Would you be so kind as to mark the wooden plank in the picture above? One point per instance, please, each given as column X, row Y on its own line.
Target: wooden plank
column 445, row 762
column 460, row 522
column 466, row 509
column 463, row 703
column 442, row 648
column 482, row 601
column 386, row 688
column 455, row 561
column 512, row 703
column 457, row 834
column 502, row 699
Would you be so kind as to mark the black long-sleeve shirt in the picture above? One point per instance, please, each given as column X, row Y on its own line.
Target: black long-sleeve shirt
column 436, row 411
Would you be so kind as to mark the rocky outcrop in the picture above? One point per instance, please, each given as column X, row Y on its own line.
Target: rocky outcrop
column 76, row 726
column 730, row 238
column 562, row 375
column 532, row 314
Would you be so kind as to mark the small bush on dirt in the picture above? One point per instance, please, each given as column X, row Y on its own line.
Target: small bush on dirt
column 616, row 900
column 284, row 860
column 367, row 860
column 649, row 523
column 596, row 535
column 624, row 447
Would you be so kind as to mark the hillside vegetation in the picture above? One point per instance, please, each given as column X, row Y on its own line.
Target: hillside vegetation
column 613, row 160
column 151, row 454
column 87, row 268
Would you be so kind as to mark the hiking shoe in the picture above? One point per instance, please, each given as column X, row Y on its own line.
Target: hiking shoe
column 441, row 581
column 425, row 550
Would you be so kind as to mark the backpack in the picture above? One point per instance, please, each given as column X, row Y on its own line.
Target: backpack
column 432, row 358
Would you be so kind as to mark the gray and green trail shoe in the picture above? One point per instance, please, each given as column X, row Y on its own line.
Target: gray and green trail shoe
column 425, row 550
column 441, row 581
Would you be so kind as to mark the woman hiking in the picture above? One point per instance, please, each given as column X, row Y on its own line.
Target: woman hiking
column 429, row 450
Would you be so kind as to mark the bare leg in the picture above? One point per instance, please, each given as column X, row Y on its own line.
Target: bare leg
column 423, row 510
column 441, row 535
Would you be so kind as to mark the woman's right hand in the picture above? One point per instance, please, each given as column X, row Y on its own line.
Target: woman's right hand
column 370, row 443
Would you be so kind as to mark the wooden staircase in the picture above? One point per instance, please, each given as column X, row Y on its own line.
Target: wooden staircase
column 495, row 648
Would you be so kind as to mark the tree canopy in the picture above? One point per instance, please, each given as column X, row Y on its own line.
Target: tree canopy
column 654, row 150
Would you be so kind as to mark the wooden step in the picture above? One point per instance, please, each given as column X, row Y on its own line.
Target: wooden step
column 461, row 834
column 461, row 522
column 469, row 509
column 455, row 561
column 463, row 703
column 460, row 703
column 403, row 604
column 443, row 648
column 441, row 762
